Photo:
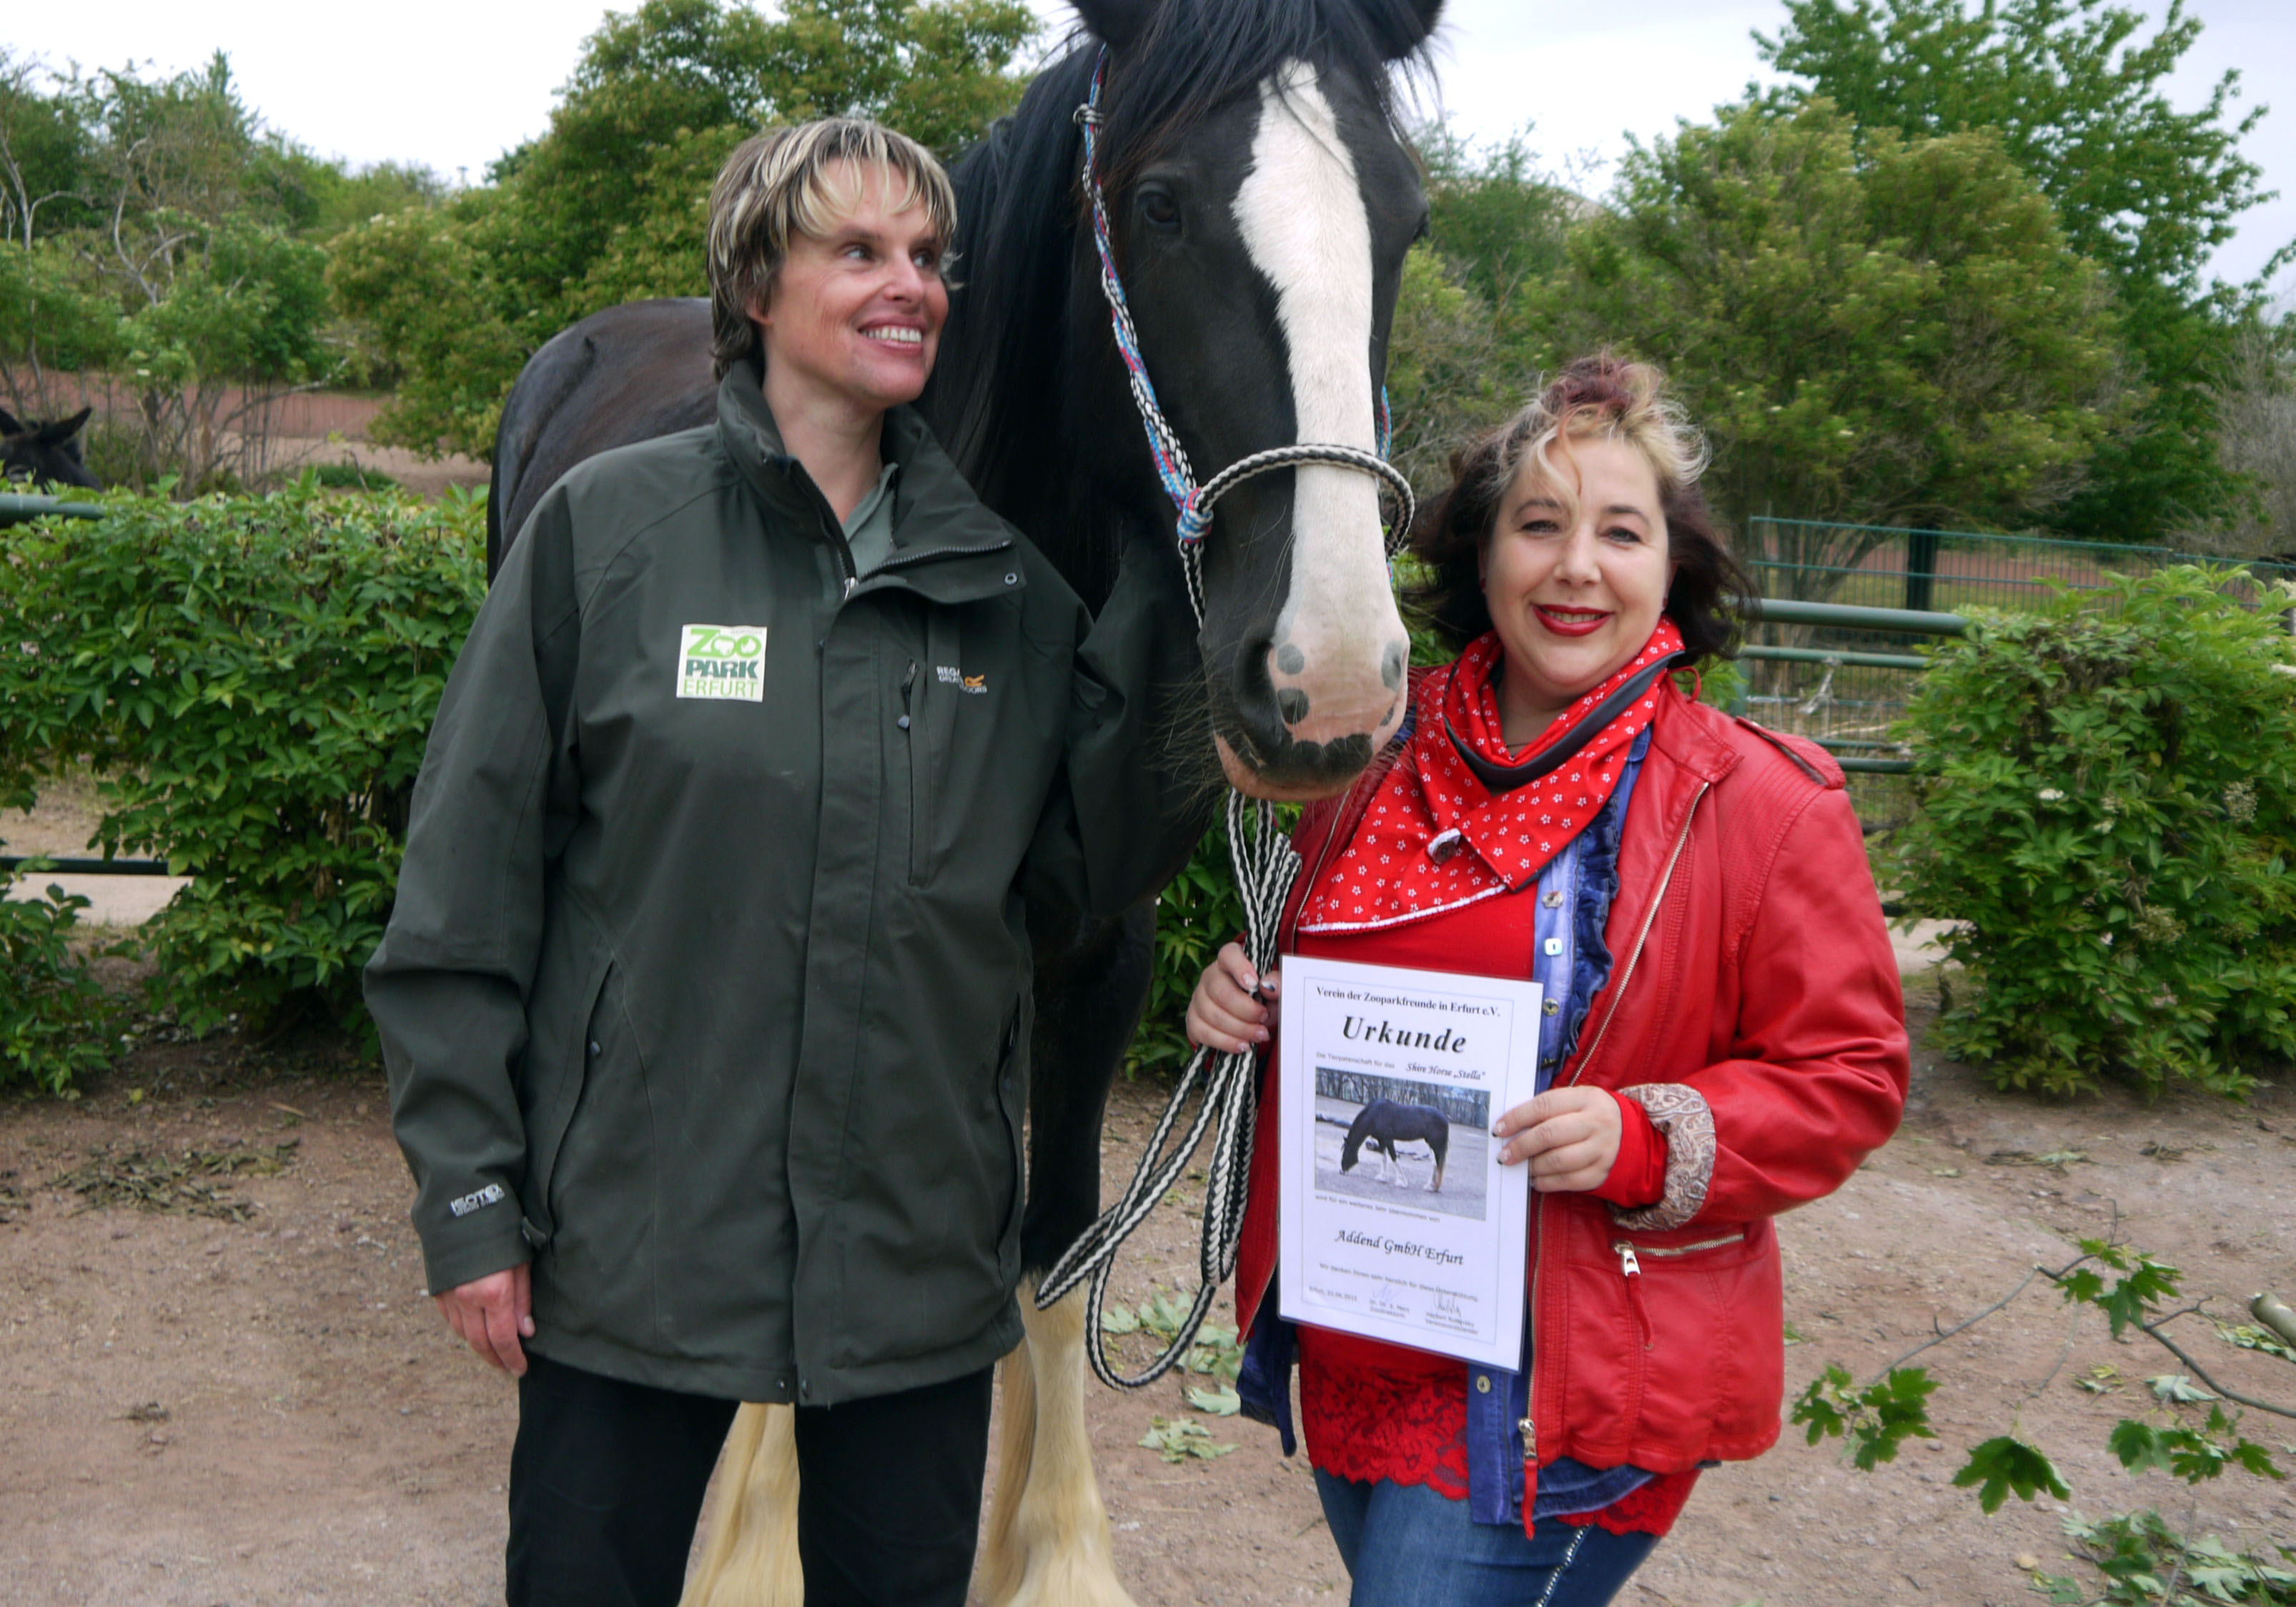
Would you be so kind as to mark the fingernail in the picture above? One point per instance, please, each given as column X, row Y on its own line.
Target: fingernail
column 1260, row 1036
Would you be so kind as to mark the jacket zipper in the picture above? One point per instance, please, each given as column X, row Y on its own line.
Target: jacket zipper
column 1631, row 1269
column 910, row 560
column 1642, row 937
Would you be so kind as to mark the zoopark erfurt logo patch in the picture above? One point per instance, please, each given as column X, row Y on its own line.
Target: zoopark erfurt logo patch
column 722, row 662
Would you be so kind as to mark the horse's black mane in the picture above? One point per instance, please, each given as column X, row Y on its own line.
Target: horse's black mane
column 1019, row 206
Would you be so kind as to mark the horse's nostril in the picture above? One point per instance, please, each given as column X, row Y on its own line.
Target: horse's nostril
column 1390, row 666
column 1291, row 703
column 1289, row 659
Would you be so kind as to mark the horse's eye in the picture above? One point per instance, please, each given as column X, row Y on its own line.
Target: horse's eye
column 1161, row 211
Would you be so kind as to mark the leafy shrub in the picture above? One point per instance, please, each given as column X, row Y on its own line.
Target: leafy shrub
column 2108, row 793
column 259, row 675
column 55, row 1023
column 351, row 477
column 1198, row 913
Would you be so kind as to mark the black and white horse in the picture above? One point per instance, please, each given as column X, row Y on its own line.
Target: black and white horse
column 1385, row 1123
column 45, row 456
column 1261, row 200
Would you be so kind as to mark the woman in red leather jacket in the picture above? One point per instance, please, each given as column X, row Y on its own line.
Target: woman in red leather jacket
column 1723, row 1037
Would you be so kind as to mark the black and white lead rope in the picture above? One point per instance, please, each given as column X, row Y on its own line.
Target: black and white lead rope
column 1265, row 868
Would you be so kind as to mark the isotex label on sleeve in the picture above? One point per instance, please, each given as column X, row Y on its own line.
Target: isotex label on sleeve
column 722, row 662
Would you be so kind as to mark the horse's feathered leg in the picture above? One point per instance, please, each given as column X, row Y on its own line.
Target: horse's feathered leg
column 751, row 1559
column 1049, row 1544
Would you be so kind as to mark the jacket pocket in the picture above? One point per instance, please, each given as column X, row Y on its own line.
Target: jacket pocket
column 1691, row 1325
column 1011, row 1100
column 918, row 705
column 560, row 1054
column 601, row 1185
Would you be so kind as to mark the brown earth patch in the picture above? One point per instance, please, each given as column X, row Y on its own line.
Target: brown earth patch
column 198, row 1411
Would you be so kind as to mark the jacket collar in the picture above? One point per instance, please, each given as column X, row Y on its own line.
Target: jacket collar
column 946, row 543
column 1683, row 739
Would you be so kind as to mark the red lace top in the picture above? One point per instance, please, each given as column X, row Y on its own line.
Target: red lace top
column 1370, row 1410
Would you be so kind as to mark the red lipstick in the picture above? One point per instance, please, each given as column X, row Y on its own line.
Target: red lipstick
column 1578, row 623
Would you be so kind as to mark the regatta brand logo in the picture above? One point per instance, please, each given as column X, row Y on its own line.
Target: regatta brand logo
column 950, row 675
column 722, row 662
column 479, row 1200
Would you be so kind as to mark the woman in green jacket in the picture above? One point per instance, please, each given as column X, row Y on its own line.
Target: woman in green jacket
column 706, row 998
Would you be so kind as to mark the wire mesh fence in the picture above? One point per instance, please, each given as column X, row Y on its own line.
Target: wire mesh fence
column 1845, row 684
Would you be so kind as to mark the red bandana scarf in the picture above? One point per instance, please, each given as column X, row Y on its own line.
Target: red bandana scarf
column 1449, row 826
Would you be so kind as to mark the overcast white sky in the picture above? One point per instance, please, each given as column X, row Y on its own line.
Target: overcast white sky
column 453, row 83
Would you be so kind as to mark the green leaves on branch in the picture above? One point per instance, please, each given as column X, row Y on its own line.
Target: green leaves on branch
column 2146, row 1563
column 2191, row 1454
column 2107, row 795
column 2004, row 1464
column 2133, row 1298
column 257, row 676
column 1875, row 1420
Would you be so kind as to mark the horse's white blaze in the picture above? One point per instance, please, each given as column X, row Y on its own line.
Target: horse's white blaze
column 1302, row 218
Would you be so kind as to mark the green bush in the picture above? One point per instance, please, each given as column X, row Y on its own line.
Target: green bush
column 2107, row 795
column 55, row 1023
column 258, row 675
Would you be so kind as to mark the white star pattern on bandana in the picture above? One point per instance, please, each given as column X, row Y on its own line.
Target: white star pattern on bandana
column 1429, row 793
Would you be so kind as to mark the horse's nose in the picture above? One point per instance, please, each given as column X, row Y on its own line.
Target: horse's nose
column 1327, row 691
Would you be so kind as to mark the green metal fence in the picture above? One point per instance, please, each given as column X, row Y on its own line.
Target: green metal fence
column 1837, row 650
column 1885, row 566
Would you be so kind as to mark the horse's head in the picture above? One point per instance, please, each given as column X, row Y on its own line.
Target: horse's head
column 1352, row 1146
column 45, row 455
column 1260, row 202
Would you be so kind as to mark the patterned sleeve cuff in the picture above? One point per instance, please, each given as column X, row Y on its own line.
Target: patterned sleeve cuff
column 1686, row 1122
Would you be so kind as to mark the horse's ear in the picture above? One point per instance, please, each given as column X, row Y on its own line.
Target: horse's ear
column 1119, row 23
column 1403, row 27
column 57, row 433
column 10, row 424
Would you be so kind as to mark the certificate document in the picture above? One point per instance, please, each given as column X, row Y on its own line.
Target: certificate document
column 1397, row 1220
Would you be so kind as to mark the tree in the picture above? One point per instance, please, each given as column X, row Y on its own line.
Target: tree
column 1889, row 330
column 150, row 249
column 2257, row 404
column 611, row 204
column 2144, row 190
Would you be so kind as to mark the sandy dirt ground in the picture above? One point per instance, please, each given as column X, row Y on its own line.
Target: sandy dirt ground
column 196, row 1410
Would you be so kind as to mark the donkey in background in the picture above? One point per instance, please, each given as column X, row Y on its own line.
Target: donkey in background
column 44, row 456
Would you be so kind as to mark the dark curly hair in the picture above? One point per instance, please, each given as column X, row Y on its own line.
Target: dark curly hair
column 1604, row 396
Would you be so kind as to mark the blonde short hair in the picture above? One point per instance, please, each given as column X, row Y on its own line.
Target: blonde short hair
column 786, row 182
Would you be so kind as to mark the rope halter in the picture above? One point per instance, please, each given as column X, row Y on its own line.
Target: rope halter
column 1265, row 864
column 1192, row 500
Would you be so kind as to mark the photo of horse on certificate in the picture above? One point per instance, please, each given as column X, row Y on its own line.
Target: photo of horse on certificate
column 1398, row 1222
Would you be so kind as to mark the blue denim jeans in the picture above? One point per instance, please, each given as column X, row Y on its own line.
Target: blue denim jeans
column 1407, row 1546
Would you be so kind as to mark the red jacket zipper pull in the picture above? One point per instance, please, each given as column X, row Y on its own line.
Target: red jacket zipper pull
column 1631, row 1269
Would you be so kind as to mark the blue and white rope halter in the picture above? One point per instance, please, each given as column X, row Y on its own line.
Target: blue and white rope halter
column 1194, row 501
column 1265, row 863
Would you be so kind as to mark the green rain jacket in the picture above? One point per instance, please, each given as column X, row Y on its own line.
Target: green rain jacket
column 707, row 987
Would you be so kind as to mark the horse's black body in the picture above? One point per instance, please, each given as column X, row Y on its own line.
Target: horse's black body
column 44, row 456
column 1029, row 396
column 1385, row 1123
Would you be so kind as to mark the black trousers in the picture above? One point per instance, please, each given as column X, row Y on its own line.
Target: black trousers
column 607, row 1477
